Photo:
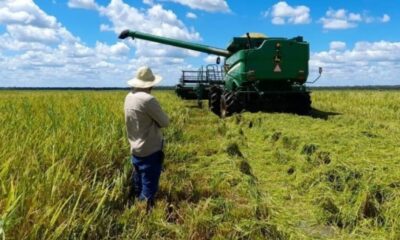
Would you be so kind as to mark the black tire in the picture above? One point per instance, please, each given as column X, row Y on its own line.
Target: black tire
column 301, row 103
column 306, row 109
column 214, row 100
column 199, row 103
column 229, row 104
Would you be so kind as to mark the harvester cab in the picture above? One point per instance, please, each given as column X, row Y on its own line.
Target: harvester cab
column 260, row 73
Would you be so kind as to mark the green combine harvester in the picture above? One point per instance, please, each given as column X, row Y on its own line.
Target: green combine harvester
column 259, row 74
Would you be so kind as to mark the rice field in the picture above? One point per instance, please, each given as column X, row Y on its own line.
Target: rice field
column 65, row 168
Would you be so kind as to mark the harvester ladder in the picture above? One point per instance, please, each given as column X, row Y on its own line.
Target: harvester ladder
column 213, row 73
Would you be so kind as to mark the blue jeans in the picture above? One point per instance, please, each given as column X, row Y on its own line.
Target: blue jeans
column 146, row 175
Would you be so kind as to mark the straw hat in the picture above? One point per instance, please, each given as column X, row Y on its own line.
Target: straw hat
column 144, row 78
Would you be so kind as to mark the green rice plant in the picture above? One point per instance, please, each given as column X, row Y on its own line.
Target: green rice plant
column 65, row 166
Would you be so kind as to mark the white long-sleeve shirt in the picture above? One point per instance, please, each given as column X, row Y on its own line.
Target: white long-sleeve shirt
column 144, row 118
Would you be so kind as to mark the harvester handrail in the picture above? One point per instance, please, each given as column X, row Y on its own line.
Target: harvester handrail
column 175, row 42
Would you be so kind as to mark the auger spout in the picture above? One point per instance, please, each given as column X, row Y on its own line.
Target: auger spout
column 175, row 42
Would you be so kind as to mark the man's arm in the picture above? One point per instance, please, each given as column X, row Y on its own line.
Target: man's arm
column 156, row 113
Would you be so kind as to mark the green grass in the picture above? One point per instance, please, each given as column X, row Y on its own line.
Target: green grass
column 64, row 169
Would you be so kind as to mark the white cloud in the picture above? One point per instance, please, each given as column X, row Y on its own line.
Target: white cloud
column 36, row 50
column 341, row 19
column 85, row 4
column 27, row 25
column 191, row 15
column 368, row 63
column 355, row 17
column 106, row 28
column 24, row 13
column 206, row 5
column 155, row 20
column 337, row 45
column 148, row 2
column 118, row 49
column 33, row 34
column 283, row 13
column 385, row 18
column 210, row 59
column 7, row 42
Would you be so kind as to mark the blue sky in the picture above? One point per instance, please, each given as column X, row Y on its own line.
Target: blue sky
column 68, row 43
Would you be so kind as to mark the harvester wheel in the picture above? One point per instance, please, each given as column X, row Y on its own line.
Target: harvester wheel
column 303, row 104
column 214, row 100
column 229, row 104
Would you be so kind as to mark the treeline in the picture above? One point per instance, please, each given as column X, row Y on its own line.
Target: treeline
column 372, row 87
column 81, row 88
column 376, row 87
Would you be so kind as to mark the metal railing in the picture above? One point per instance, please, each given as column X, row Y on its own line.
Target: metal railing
column 210, row 74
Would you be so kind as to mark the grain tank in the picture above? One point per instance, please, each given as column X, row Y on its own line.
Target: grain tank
column 260, row 73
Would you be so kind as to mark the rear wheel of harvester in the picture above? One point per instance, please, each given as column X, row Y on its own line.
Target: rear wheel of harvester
column 301, row 103
column 214, row 100
column 229, row 104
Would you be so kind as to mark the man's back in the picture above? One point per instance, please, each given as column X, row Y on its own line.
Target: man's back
column 144, row 118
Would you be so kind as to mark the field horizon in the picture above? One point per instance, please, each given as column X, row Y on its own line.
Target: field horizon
column 171, row 87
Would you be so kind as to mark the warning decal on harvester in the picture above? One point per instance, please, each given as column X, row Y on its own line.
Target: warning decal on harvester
column 277, row 68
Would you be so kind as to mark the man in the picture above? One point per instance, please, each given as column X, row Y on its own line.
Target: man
column 144, row 119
